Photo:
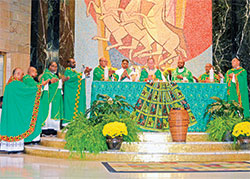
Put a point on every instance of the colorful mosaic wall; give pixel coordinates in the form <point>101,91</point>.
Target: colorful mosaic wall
<point>166,30</point>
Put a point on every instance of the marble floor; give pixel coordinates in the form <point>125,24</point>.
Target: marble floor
<point>26,166</point>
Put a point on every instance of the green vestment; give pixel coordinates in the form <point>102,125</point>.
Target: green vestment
<point>205,77</point>
<point>53,96</point>
<point>238,91</point>
<point>185,73</point>
<point>144,75</point>
<point>28,80</point>
<point>19,118</point>
<point>120,76</point>
<point>98,74</point>
<point>74,94</point>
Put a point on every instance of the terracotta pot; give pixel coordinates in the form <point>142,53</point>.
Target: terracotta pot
<point>244,142</point>
<point>114,143</point>
<point>178,124</point>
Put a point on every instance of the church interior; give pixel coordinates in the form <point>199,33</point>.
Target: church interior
<point>124,89</point>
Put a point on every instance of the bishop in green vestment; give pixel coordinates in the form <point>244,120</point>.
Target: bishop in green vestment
<point>74,92</point>
<point>205,77</point>
<point>151,73</point>
<point>236,79</point>
<point>52,100</point>
<point>182,74</point>
<point>19,113</point>
<point>103,73</point>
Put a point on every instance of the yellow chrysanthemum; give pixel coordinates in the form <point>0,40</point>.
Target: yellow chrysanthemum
<point>115,129</point>
<point>242,128</point>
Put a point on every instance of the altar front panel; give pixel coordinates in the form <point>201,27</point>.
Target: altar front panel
<point>197,95</point>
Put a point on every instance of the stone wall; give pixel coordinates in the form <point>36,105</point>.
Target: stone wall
<point>15,21</point>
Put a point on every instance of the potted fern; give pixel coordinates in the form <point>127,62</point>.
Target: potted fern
<point>223,108</point>
<point>223,116</point>
<point>85,133</point>
<point>221,126</point>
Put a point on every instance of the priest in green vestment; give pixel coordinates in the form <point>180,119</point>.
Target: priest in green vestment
<point>74,91</point>
<point>29,78</point>
<point>151,73</point>
<point>103,73</point>
<point>30,81</point>
<point>205,77</point>
<point>236,79</point>
<point>19,113</point>
<point>52,101</point>
<point>181,73</point>
<point>125,74</point>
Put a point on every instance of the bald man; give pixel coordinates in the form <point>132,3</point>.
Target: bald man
<point>205,77</point>
<point>151,73</point>
<point>99,72</point>
<point>236,79</point>
<point>181,73</point>
<point>29,78</point>
<point>19,113</point>
<point>17,74</point>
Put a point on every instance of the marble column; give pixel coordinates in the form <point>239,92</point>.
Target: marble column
<point>67,29</point>
<point>52,32</point>
<point>44,33</point>
<point>231,33</point>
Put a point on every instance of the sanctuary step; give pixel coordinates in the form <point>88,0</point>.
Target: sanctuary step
<point>155,146</point>
<point>140,156</point>
<point>160,136</point>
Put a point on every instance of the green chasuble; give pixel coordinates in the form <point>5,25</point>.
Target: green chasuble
<point>54,96</point>
<point>185,73</point>
<point>205,77</point>
<point>128,71</point>
<point>19,118</point>
<point>144,75</point>
<point>98,74</point>
<point>238,90</point>
<point>28,80</point>
<point>74,94</point>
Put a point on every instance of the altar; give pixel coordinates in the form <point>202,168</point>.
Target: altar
<point>197,95</point>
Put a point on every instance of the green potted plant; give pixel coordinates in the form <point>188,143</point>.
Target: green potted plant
<point>241,134</point>
<point>104,104</point>
<point>85,133</point>
<point>223,108</point>
<point>114,132</point>
<point>82,136</point>
<point>223,116</point>
<point>221,126</point>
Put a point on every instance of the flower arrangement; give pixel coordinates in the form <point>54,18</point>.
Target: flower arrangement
<point>85,132</point>
<point>241,129</point>
<point>115,129</point>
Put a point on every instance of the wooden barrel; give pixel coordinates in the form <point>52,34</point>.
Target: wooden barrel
<point>178,124</point>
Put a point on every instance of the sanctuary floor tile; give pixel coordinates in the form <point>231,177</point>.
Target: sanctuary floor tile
<point>26,166</point>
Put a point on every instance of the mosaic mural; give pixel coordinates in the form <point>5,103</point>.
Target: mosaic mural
<point>165,30</point>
